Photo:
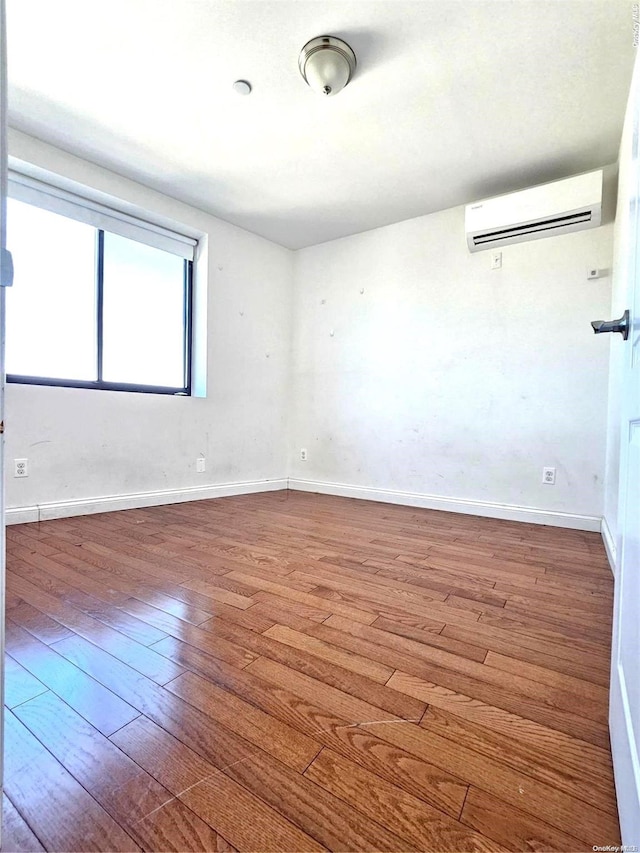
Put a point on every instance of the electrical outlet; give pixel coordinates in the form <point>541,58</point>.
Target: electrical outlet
<point>549,476</point>
<point>20,467</point>
<point>303,454</point>
<point>201,465</point>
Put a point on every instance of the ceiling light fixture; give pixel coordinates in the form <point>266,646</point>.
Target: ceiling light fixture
<point>242,87</point>
<point>327,64</point>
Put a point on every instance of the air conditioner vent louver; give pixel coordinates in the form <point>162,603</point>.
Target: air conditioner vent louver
<point>534,227</point>
<point>557,208</point>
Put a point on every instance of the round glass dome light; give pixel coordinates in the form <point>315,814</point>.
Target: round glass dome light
<point>327,64</point>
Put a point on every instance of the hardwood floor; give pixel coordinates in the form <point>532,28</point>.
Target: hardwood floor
<point>293,672</point>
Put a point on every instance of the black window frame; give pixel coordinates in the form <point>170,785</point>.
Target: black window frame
<point>100,384</point>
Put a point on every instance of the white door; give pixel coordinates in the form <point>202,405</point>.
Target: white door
<point>624,711</point>
<point>4,279</point>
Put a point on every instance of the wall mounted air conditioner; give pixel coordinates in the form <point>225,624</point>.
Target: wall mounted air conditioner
<point>544,211</point>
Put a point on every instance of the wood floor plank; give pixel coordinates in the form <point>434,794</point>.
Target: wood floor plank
<point>269,733</point>
<point>20,685</point>
<point>588,586</point>
<point>339,702</point>
<point>245,820</point>
<point>307,716</point>
<point>187,612</point>
<point>419,824</point>
<point>513,828</point>
<point>129,651</point>
<point>303,597</point>
<point>370,588</point>
<point>175,765</point>
<point>87,557</point>
<point>36,622</point>
<point>323,816</point>
<point>203,636</point>
<point>551,768</point>
<point>383,608</point>
<point>596,604</point>
<point>204,735</point>
<point>370,691</point>
<point>554,633</point>
<point>429,638</point>
<point>548,740</point>
<point>165,622</point>
<point>174,827</point>
<point>167,759</point>
<point>541,709</point>
<point>284,616</point>
<point>182,603</point>
<point>397,652</point>
<point>290,671</point>
<point>417,586</point>
<point>482,568</point>
<point>251,618</point>
<point>516,788</point>
<point>58,810</point>
<point>87,604</point>
<point>347,660</point>
<point>443,579</point>
<point>104,709</point>
<point>17,837</point>
<point>562,620</point>
<point>416,775</point>
<point>74,573</point>
<point>279,604</point>
<point>559,658</point>
<point>225,596</point>
<point>117,783</point>
<point>460,586</point>
<point>359,743</point>
<point>27,537</point>
<point>571,683</point>
<point>104,550</point>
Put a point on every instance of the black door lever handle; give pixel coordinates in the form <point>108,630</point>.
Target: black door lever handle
<point>621,325</point>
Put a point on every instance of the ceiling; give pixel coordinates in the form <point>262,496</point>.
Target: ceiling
<point>452,101</point>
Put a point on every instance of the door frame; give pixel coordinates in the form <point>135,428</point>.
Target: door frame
<point>3,231</point>
<point>624,731</point>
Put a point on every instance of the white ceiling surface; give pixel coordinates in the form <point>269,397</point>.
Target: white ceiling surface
<point>452,101</point>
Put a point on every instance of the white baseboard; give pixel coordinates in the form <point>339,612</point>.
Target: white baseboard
<point>109,503</point>
<point>626,759</point>
<point>509,512</point>
<point>609,545</point>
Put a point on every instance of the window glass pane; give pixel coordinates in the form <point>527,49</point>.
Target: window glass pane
<point>51,308</point>
<point>143,311</point>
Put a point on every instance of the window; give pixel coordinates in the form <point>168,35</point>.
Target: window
<point>100,299</point>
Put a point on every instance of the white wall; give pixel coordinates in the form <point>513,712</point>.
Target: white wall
<point>444,383</point>
<point>84,444</point>
<point>445,379</point>
<point>620,300</point>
